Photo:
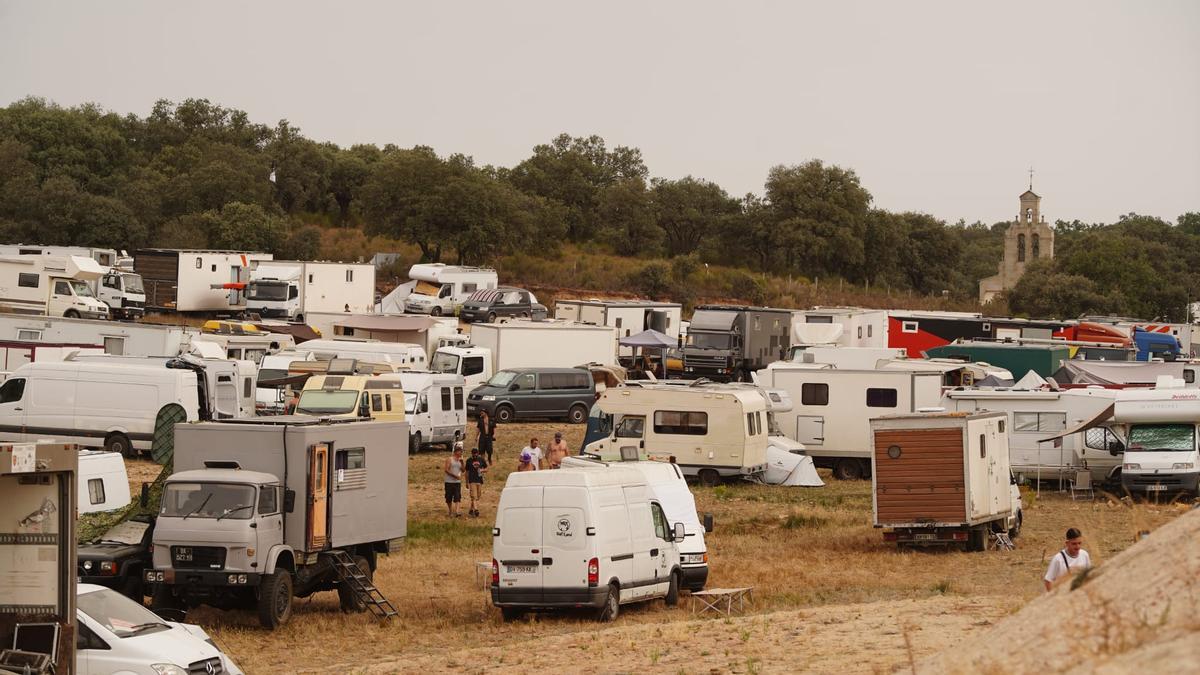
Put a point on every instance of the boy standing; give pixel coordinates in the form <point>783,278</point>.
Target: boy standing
<point>1071,559</point>
<point>476,467</point>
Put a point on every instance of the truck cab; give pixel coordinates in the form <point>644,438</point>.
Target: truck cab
<point>473,363</point>
<point>124,294</point>
<point>1162,457</point>
<point>74,298</point>
<point>271,297</point>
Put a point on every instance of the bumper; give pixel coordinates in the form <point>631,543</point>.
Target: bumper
<point>928,536</point>
<point>417,309</point>
<point>694,578</point>
<point>471,316</point>
<point>271,312</point>
<point>1163,482</point>
<point>128,312</point>
<point>108,581</point>
<point>549,597</point>
<point>93,314</point>
<point>201,578</point>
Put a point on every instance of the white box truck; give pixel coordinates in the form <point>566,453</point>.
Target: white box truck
<point>50,286</point>
<point>292,289</point>
<point>629,317</point>
<point>121,290</point>
<point>196,281</point>
<point>441,289</point>
<point>550,344</point>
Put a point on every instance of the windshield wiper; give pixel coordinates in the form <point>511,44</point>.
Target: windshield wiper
<point>146,626</point>
<point>236,508</point>
<point>202,505</point>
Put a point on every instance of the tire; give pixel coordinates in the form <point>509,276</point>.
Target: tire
<point>414,443</point>
<point>612,605</point>
<point>119,443</point>
<point>491,317</point>
<point>709,477</point>
<point>512,613</point>
<point>349,599</point>
<point>504,414</point>
<point>977,539</point>
<point>848,469</point>
<point>299,318</point>
<point>1016,530</point>
<point>71,314</point>
<point>672,598</point>
<point>275,600</point>
<point>436,311</point>
<point>524,315</point>
<point>577,415</point>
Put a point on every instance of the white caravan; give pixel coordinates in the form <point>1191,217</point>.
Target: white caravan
<point>1160,428</point>
<point>50,286</point>
<point>427,331</point>
<point>227,389</point>
<point>841,326</point>
<point>545,344</point>
<point>188,280</point>
<point>582,538</point>
<point>292,289</point>
<point>250,346</point>
<point>103,481</point>
<point>373,351</point>
<point>120,289</point>
<point>831,408</point>
<point>668,486</point>
<point>629,317</point>
<point>711,431</point>
<point>434,406</point>
<point>441,289</point>
<point>130,339</point>
<point>107,405</point>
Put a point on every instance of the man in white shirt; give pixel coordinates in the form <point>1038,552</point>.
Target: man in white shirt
<point>1070,560</point>
<point>535,454</point>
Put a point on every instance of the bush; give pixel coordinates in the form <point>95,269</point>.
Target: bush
<point>684,266</point>
<point>653,280</point>
<point>748,288</point>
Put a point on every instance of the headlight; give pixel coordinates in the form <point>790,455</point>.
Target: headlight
<point>1131,467</point>
<point>168,669</point>
<point>108,567</point>
<point>488,398</point>
<point>1183,465</point>
<point>87,565</point>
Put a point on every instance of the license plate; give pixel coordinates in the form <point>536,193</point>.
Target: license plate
<point>521,569</point>
<point>183,554</point>
<point>1156,488</point>
<point>924,536</point>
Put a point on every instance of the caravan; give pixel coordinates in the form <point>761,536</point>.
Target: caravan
<point>398,353</point>
<point>103,481</point>
<point>434,406</point>
<point>441,289</point>
<point>50,286</point>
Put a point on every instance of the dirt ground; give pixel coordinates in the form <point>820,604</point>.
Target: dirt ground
<point>830,595</point>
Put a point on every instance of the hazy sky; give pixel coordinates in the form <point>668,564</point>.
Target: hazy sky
<point>939,106</point>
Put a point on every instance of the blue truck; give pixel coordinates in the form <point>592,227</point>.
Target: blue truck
<point>1156,345</point>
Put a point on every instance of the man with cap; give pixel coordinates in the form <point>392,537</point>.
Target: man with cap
<point>452,475</point>
<point>476,467</point>
<point>557,451</point>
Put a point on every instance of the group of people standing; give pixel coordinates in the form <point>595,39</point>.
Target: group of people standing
<point>455,468</point>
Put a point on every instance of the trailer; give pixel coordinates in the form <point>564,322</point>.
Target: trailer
<point>121,290</point>
<point>629,317</point>
<point>130,339</point>
<point>441,289</point>
<point>190,280</point>
<point>941,478</point>
<point>545,344</point>
<point>291,289</point>
<point>428,331</point>
<point>37,563</point>
<point>278,507</point>
<point>1019,359</point>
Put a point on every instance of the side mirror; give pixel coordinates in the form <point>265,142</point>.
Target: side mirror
<point>144,498</point>
<point>514,386</point>
<point>708,523</point>
<point>289,500</point>
<point>679,533</point>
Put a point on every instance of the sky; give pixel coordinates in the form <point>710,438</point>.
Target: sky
<point>940,107</point>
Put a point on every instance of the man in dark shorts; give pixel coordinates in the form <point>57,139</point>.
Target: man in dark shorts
<point>487,434</point>
<point>476,467</point>
<point>452,474</point>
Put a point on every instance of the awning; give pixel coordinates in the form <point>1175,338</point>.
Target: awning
<point>1096,421</point>
<point>1115,372</point>
<point>649,338</point>
<point>375,322</point>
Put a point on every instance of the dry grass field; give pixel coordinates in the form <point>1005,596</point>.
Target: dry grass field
<point>827,588</point>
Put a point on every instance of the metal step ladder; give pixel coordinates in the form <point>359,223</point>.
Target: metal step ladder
<point>1002,542</point>
<point>349,573</point>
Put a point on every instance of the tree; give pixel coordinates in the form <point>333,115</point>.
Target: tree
<point>397,197</point>
<point>688,211</point>
<point>1046,294</point>
<point>301,170</point>
<point>246,227</point>
<point>822,212</point>
<point>302,243</point>
<point>348,171</point>
<point>625,217</point>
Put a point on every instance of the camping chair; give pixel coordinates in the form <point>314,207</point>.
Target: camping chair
<point>1082,482</point>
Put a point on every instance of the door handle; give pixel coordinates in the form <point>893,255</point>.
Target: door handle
<point>653,553</point>
<point>18,408</point>
<point>547,561</point>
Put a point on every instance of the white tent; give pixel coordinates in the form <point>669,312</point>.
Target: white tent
<point>789,469</point>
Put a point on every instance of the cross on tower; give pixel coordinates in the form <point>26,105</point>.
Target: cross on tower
<point>1031,178</point>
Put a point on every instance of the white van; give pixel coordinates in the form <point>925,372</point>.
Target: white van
<point>103,481</point>
<point>109,405</point>
<point>582,538</point>
<point>669,487</point>
<point>372,351</point>
<point>434,405</point>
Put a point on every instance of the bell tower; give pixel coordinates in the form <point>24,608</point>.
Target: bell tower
<point>1028,238</point>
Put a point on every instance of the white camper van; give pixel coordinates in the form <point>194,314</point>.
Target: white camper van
<point>582,538</point>
<point>441,289</point>
<point>103,481</point>
<point>51,286</point>
<point>434,405</point>
<point>93,404</point>
<point>1161,429</point>
<point>227,388</point>
<point>373,351</point>
<point>121,290</point>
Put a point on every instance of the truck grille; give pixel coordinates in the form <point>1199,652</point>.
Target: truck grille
<point>1168,481</point>
<point>211,666</point>
<point>198,557</point>
<point>705,362</point>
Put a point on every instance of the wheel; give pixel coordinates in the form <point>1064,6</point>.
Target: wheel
<point>299,318</point>
<point>1017,527</point>
<point>709,477</point>
<point>436,311</point>
<point>119,443</point>
<point>512,613</point>
<point>612,604</point>
<point>71,314</point>
<point>977,539</point>
<point>491,317</point>
<point>672,598</point>
<point>848,469</point>
<point>414,443</point>
<point>504,414</point>
<point>163,599</point>
<point>524,315</point>
<point>275,599</point>
<point>578,414</point>
<point>350,600</point>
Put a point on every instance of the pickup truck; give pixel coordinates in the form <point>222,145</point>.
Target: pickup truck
<point>116,559</point>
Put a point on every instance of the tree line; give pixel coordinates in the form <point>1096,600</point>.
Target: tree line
<point>195,174</point>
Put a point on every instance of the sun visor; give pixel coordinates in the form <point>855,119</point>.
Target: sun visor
<point>1096,421</point>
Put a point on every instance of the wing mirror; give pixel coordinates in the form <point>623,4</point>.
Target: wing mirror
<point>289,500</point>
<point>679,533</point>
<point>708,523</point>
<point>514,386</point>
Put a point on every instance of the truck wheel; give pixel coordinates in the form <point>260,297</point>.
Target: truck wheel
<point>977,539</point>
<point>512,613</point>
<point>504,414</point>
<point>672,598</point>
<point>414,443</point>
<point>848,469</point>
<point>612,605</point>
<point>119,443</point>
<point>491,317</point>
<point>71,314</point>
<point>709,477</point>
<point>436,311</point>
<point>275,599</point>
<point>349,598</point>
<point>578,415</point>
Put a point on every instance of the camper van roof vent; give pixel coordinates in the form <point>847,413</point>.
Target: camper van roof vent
<point>221,464</point>
<point>342,367</point>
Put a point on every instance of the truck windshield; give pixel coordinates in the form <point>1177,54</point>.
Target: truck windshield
<point>708,340</point>
<point>502,378</point>
<point>317,402</point>
<point>81,289</point>
<point>124,617</point>
<point>410,403</point>
<point>773,425</point>
<point>208,500</point>
<point>444,363</point>
<point>1162,437</point>
<point>270,291</point>
<point>132,283</point>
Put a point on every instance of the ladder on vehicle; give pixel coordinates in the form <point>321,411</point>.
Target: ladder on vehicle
<point>349,573</point>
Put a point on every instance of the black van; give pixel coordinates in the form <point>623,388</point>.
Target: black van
<point>523,393</point>
<point>486,305</point>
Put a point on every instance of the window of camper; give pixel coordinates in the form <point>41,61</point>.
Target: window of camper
<point>818,318</point>
<point>1029,422</point>
<point>351,458</point>
<point>458,398</point>
<point>114,346</point>
<point>62,288</point>
<point>631,426</point>
<point>349,276</point>
<point>208,500</point>
<point>247,387</point>
<point>1162,437</point>
<point>681,423</point>
<point>377,402</point>
<point>660,521</point>
<point>982,446</point>
<point>1099,438</point>
<point>869,326</point>
<point>469,288</point>
<point>881,398</point>
<point>908,327</point>
<point>96,490</point>
<point>268,499</point>
<point>25,280</point>
<point>446,394</point>
<point>472,365</point>
<point>1189,375</point>
<point>814,393</point>
<point>199,262</point>
<point>28,334</point>
<point>750,424</point>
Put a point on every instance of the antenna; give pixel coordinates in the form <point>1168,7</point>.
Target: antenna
<point>1031,179</point>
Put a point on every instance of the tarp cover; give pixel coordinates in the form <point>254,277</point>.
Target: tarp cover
<point>993,381</point>
<point>1115,372</point>
<point>649,338</point>
<point>384,323</point>
<point>1031,381</point>
<point>789,469</point>
<point>393,303</point>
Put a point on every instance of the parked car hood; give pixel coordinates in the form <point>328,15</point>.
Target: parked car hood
<point>181,645</point>
<point>108,551</point>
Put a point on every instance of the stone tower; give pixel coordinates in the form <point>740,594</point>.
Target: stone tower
<point>1027,239</point>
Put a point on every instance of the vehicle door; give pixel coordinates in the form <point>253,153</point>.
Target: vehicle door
<point>12,407</point>
<point>269,530</point>
<point>517,541</point>
<point>564,554</point>
<point>61,298</point>
<point>810,429</point>
<point>552,394</point>
<point>522,306</point>
<point>317,534</point>
<point>646,549</point>
<point>225,397</point>
<point>522,392</point>
<point>443,426</point>
<point>110,290</point>
<point>630,436</point>
<point>668,553</point>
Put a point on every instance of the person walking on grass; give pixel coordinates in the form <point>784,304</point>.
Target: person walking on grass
<point>1070,560</point>
<point>535,454</point>
<point>557,451</point>
<point>476,467</point>
<point>525,462</point>
<point>452,473</point>
<point>487,434</point>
